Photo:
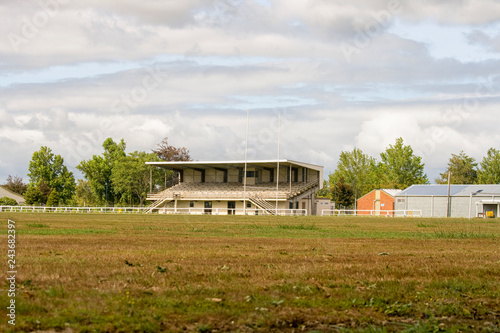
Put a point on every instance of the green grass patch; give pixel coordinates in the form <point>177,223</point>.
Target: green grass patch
<point>463,234</point>
<point>67,232</point>
<point>38,225</point>
<point>159,273</point>
<point>424,225</point>
<point>298,226</point>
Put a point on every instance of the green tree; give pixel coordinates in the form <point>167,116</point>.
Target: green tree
<point>462,168</point>
<point>98,171</point>
<point>400,168</point>
<point>34,196</point>
<point>489,172</point>
<point>356,170</point>
<point>324,192</point>
<point>343,194</point>
<point>53,199</point>
<point>83,193</point>
<point>131,177</point>
<point>47,171</point>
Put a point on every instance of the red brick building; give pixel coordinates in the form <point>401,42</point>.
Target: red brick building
<point>377,202</point>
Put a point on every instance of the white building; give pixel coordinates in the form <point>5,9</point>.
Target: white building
<point>269,187</point>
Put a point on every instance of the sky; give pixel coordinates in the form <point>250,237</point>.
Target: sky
<point>341,74</point>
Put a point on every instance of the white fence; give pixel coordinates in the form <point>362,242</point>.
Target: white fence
<point>226,211</point>
<point>383,213</point>
<point>139,210</point>
<point>41,209</point>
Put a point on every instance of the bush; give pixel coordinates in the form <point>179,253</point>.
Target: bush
<point>6,201</point>
<point>53,199</point>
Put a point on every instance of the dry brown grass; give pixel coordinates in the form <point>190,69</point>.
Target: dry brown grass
<point>110,273</point>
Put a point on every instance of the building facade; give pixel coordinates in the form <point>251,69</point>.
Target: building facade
<point>463,200</point>
<point>377,202</point>
<point>224,188</point>
<point>324,204</point>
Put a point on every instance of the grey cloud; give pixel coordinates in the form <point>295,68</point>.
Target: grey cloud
<point>233,55</point>
<point>490,43</point>
<point>477,12</point>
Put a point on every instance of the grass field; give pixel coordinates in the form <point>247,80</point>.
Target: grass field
<point>153,273</point>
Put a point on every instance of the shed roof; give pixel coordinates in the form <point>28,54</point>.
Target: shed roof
<point>391,191</point>
<point>4,192</point>
<point>479,189</point>
<point>233,164</point>
<point>455,190</point>
<point>181,165</point>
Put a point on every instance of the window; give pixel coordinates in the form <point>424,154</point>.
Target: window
<point>231,207</point>
<point>208,207</point>
<point>249,205</point>
<point>252,174</point>
<point>191,204</point>
<point>401,200</point>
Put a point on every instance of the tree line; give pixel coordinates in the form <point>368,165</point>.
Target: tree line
<point>357,173</point>
<point>464,169</point>
<point>114,177</point>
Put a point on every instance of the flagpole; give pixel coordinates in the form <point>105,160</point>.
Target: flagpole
<point>245,172</point>
<point>278,167</point>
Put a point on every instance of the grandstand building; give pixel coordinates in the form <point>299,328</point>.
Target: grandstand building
<point>281,187</point>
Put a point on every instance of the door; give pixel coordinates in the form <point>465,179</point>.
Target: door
<point>208,207</point>
<point>231,207</point>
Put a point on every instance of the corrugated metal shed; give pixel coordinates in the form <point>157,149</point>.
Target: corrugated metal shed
<point>465,200</point>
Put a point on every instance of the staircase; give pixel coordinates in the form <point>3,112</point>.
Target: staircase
<point>156,204</point>
<point>303,189</point>
<point>161,198</point>
<point>263,204</point>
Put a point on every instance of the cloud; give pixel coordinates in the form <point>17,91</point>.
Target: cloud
<point>488,41</point>
<point>453,12</point>
<point>343,74</point>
